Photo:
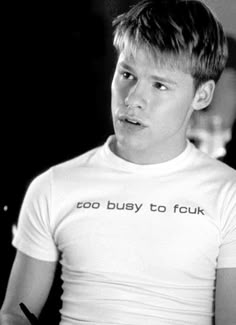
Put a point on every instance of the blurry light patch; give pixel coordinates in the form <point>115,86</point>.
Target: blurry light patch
<point>14,230</point>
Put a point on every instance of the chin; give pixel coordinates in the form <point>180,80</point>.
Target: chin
<point>131,144</point>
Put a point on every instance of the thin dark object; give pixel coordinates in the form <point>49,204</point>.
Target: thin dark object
<point>31,317</point>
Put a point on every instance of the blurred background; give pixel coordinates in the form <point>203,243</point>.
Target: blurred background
<point>56,105</point>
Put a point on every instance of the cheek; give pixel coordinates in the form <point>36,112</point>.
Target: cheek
<point>171,113</point>
<point>119,89</point>
<point>117,98</point>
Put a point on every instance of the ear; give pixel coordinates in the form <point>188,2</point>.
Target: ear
<point>203,95</point>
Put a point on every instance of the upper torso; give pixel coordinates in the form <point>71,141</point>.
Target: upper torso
<point>138,243</point>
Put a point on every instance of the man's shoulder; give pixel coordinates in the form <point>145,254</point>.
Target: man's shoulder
<point>214,166</point>
<point>66,169</point>
<point>75,166</point>
<point>81,160</point>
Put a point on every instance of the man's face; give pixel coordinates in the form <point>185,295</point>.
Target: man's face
<point>151,107</point>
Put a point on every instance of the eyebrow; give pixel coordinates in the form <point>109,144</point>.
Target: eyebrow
<point>164,79</point>
<point>154,77</point>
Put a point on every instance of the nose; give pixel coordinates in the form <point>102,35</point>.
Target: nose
<point>135,97</point>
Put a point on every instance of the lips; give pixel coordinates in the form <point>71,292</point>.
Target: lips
<point>132,120</point>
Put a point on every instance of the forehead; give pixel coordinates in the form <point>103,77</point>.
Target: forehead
<point>143,57</point>
<point>161,60</point>
<point>145,65</point>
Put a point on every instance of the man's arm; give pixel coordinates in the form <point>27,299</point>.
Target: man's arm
<point>29,283</point>
<point>225,299</point>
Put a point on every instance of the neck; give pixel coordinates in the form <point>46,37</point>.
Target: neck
<point>161,153</point>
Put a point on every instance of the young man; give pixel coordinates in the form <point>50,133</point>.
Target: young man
<point>145,224</point>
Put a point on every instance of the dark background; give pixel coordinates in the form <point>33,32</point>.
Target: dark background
<point>56,105</point>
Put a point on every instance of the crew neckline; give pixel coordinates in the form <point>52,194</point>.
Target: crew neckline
<point>118,163</point>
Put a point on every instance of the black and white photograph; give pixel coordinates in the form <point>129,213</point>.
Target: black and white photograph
<point>118,165</point>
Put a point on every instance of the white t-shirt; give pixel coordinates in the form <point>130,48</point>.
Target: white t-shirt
<point>139,244</point>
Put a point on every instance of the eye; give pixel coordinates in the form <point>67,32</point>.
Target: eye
<point>126,75</point>
<point>160,86</point>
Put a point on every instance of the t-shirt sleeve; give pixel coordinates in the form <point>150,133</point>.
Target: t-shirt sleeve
<point>34,233</point>
<point>227,254</point>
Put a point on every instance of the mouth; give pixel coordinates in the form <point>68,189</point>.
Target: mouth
<point>132,121</point>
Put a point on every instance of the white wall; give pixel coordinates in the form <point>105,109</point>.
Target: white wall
<point>226,12</point>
